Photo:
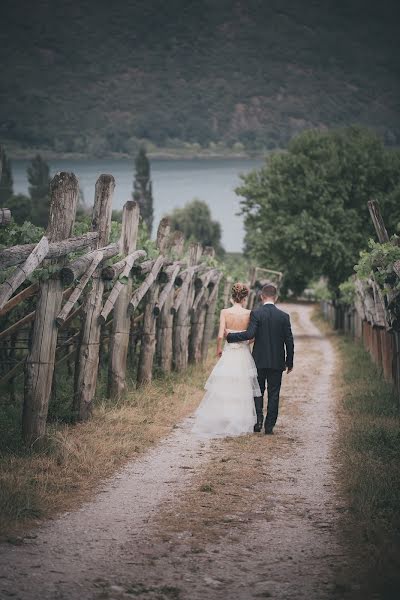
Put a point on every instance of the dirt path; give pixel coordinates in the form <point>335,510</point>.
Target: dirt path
<point>250,517</point>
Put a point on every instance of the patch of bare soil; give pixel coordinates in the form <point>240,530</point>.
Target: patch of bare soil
<point>250,517</point>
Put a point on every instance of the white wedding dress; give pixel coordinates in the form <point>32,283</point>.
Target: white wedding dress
<point>227,408</point>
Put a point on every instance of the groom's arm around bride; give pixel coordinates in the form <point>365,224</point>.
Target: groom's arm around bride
<point>271,329</point>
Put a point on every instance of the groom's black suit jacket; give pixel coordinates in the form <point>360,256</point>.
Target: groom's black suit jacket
<point>272,332</point>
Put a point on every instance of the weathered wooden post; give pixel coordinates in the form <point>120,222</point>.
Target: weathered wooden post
<point>251,299</point>
<point>198,316</point>
<point>148,343</point>
<point>211,306</point>
<point>196,331</point>
<point>182,313</point>
<point>252,276</point>
<point>5,216</point>
<point>166,318</point>
<point>122,320</point>
<point>39,367</point>
<point>227,292</point>
<point>87,363</point>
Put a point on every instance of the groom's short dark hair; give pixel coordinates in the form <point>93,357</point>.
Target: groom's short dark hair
<point>269,291</point>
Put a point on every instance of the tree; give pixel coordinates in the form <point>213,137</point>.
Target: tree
<point>142,188</point>
<point>21,208</point>
<point>6,179</point>
<point>39,190</point>
<point>195,222</point>
<point>306,210</point>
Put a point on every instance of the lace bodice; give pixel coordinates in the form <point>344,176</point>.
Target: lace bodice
<point>234,319</point>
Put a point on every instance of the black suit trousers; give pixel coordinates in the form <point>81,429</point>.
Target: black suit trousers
<point>272,379</point>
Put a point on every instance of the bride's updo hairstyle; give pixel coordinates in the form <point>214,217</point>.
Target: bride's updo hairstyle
<point>240,291</point>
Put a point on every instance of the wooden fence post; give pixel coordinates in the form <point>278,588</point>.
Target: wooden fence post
<point>40,362</point>
<point>148,343</point>
<point>227,292</point>
<point>198,317</point>
<point>251,299</point>
<point>180,333</point>
<point>166,318</point>
<point>5,216</point>
<point>87,363</point>
<point>121,319</point>
<point>210,318</point>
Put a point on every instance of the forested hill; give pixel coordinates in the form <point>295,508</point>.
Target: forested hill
<point>94,76</point>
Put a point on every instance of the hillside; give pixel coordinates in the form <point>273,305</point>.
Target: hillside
<point>93,76</point>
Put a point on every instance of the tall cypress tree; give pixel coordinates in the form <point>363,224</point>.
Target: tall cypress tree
<point>6,180</point>
<point>39,190</point>
<point>142,188</point>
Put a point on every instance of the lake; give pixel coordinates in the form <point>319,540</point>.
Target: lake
<point>175,182</point>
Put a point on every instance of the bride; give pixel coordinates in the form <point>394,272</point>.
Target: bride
<point>227,408</point>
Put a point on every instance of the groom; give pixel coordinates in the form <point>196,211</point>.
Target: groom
<point>272,332</point>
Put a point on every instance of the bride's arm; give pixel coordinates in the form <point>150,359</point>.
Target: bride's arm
<point>221,332</point>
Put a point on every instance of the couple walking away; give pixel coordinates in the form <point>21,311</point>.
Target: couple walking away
<point>234,398</point>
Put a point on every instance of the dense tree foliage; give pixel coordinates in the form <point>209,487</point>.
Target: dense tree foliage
<point>195,221</point>
<point>6,180</point>
<point>21,208</point>
<point>306,209</point>
<point>39,190</point>
<point>15,234</point>
<point>97,77</point>
<point>142,188</point>
<point>34,208</point>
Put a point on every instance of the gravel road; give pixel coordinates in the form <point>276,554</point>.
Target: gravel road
<point>252,517</point>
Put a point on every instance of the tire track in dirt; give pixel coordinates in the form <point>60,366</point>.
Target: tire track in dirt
<point>250,517</point>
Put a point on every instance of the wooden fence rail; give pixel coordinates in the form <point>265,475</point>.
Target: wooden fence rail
<point>161,310</point>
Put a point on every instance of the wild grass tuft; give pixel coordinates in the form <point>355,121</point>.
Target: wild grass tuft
<point>208,488</point>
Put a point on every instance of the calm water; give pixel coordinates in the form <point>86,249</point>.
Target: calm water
<point>175,182</point>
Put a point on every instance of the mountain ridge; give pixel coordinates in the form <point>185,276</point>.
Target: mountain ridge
<point>95,79</point>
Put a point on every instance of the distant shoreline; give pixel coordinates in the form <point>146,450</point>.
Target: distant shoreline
<point>162,154</point>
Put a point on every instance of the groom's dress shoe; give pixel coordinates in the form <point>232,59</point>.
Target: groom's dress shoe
<point>258,426</point>
<point>269,431</point>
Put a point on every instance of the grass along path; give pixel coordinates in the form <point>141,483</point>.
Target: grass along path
<point>369,471</point>
<point>37,485</point>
